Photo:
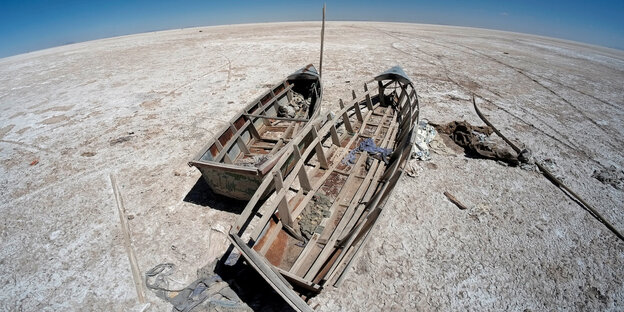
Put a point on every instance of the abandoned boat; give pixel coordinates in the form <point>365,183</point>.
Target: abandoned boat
<point>236,160</point>
<point>343,168</point>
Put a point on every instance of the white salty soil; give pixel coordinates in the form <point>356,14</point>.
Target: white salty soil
<point>138,107</point>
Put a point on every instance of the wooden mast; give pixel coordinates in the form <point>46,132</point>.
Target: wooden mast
<point>322,37</point>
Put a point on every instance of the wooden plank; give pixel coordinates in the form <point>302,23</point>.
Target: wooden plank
<point>377,197</point>
<point>319,182</point>
<point>253,130</point>
<point>369,192</point>
<point>224,149</point>
<point>382,89</point>
<point>304,180</point>
<point>283,207</point>
<point>320,152</point>
<point>277,117</point>
<point>243,146</point>
<point>274,279</point>
<point>368,184</point>
<point>294,279</point>
<point>385,144</point>
<point>334,135</point>
<point>280,143</point>
<point>275,97</point>
<point>358,111</point>
<point>347,122</point>
<point>125,230</point>
<point>348,186</point>
<point>289,95</point>
<point>369,102</point>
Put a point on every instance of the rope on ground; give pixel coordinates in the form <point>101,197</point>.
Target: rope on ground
<point>208,289</point>
<point>552,178</point>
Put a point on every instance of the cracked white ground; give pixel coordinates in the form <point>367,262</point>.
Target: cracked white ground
<point>138,107</point>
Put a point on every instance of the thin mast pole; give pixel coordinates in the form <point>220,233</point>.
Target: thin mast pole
<point>322,37</point>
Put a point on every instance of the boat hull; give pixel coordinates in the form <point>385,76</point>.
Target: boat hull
<point>307,233</point>
<point>235,161</point>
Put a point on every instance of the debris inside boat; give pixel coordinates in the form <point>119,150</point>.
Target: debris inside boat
<point>320,213</point>
<point>236,160</point>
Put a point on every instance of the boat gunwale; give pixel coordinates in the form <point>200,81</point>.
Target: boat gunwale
<point>265,167</point>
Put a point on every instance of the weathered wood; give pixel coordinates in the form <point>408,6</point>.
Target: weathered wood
<point>355,201</point>
<point>455,201</point>
<point>359,199</point>
<point>253,130</point>
<point>125,230</point>
<point>358,111</point>
<point>320,152</point>
<point>277,117</point>
<point>304,180</point>
<point>244,131</point>
<point>334,135</point>
<point>322,40</point>
<point>299,281</point>
<point>269,275</point>
<point>283,207</point>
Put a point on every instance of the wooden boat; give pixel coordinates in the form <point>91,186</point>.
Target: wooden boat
<point>306,234</point>
<point>236,160</point>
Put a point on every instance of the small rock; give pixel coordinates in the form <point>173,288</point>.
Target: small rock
<point>120,140</point>
<point>526,156</point>
<point>611,176</point>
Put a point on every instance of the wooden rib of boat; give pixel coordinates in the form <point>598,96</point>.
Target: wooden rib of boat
<point>236,160</point>
<point>306,234</point>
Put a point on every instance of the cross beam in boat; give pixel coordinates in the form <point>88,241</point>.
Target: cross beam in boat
<point>276,117</point>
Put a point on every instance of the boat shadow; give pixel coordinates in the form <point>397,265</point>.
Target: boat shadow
<point>201,194</point>
<point>249,286</point>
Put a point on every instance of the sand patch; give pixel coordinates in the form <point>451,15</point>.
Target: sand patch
<point>5,130</point>
<point>151,104</point>
<point>17,115</point>
<point>54,119</point>
<point>55,109</point>
<point>21,131</point>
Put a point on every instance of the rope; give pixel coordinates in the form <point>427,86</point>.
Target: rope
<point>553,179</point>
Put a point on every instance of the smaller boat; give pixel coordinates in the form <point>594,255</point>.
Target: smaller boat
<point>342,169</point>
<point>236,160</point>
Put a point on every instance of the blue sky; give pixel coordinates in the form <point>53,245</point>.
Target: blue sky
<point>33,25</point>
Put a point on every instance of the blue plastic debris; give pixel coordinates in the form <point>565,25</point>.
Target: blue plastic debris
<point>368,145</point>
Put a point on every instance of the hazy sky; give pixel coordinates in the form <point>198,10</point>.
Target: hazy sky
<point>32,25</point>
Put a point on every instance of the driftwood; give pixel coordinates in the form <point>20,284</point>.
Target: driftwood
<point>455,201</point>
<point>578,199</point>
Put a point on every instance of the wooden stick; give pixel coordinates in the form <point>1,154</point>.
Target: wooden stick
<point>276,117</point>
<point>322,39</point>
<point>553,179</point>
<point>125,229</point>
<point>455,201</point>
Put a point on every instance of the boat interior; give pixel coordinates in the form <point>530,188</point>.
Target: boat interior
<point>262,128</point>
<point>312,225</point>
